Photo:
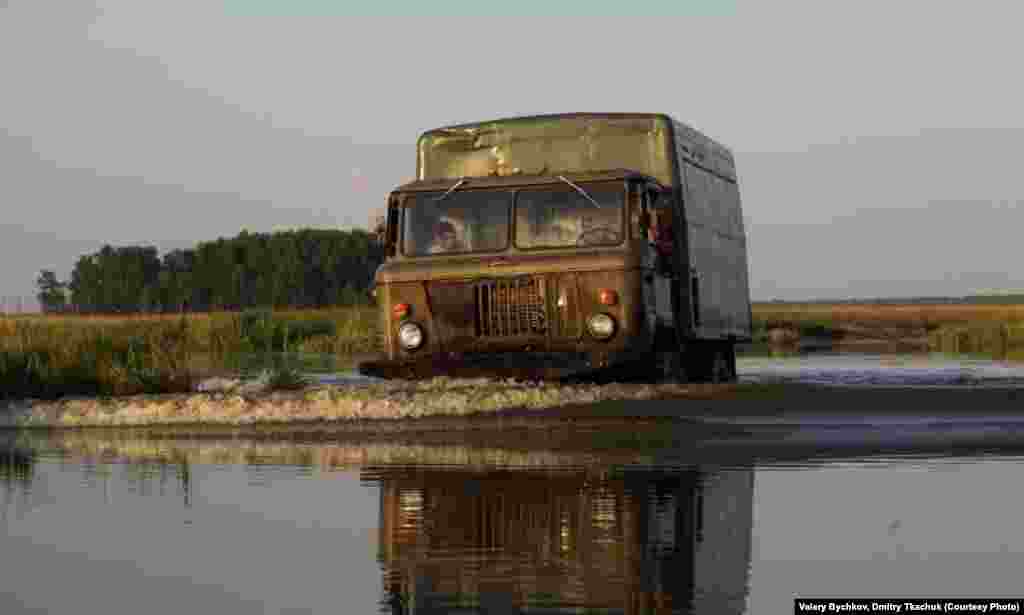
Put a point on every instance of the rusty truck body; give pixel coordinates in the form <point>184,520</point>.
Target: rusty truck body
<point>554,246</point>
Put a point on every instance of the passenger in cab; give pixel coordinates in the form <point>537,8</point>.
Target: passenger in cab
<point>660,234</point>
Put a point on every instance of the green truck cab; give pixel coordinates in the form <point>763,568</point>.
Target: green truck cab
<point>554,246</point>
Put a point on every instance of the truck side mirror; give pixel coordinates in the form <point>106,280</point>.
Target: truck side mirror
<point>378,228</point>
<point>384,227</point>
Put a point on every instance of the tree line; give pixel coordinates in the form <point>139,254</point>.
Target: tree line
<point>308,268</point>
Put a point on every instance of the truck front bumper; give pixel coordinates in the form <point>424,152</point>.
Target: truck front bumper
<point>520,365</point>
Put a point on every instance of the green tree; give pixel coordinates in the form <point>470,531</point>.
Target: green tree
<point>86,284</point>
<point>306,268</point>
<point>51,294</point>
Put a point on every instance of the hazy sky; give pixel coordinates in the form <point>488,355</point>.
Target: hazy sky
<point>877,143</point>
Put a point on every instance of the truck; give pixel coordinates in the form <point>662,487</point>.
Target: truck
<point>617,539</point>
<point>560,246</point>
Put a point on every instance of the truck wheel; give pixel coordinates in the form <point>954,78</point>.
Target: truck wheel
<point>731,358</point>
<point>672,367</point>
<point>719,366</point>
<point>698,362</point>
<point>667,360</point>
<point>722,363</point>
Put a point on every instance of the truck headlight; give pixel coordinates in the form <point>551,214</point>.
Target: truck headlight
<point>601,326</point>
<point>410,336</point>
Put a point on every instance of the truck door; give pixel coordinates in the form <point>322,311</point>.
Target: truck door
<point>662,251</point>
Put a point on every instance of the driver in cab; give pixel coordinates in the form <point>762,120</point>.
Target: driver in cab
<point>446,239</point>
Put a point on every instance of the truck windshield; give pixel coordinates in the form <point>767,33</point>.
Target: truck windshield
<point>558,218</point>
<point>463,221</point>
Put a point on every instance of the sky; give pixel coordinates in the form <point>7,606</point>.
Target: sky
<point>876,142</point>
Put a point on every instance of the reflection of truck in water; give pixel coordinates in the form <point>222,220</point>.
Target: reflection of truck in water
<point>554,245</point>
<point>628,541</point>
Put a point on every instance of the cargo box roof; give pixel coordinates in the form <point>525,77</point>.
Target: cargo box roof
<point>649,143</point>
<point>513,181</point>
<point>553,116</point>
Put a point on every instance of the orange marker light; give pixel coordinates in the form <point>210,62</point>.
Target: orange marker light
<point>607,296</point>
<point>400,310</point>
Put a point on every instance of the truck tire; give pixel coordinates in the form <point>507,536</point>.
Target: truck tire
<point>721,361</point>
<point>667,361</point>
<point>719,365</point>
<point>709,361</point>
<point>673,369</point>
<point>695,363</point>
<point>731,357</point>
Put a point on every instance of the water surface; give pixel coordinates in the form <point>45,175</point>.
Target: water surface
<point>100,522</point>
<point>820,368</point>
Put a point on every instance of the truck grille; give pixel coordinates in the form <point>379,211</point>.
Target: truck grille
<point>510,307</point>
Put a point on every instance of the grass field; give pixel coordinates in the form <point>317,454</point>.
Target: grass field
<point>994,330</point>
<point>56,355</point>
<point>930,317</point>
<point>49,356</point>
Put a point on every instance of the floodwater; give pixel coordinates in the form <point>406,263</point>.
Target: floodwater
<point>849,369</point>
<point>829,368</point>
<point>698,521</point>
<point>754,364</point>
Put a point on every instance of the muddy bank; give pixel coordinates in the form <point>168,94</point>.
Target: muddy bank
<point>446,405</point>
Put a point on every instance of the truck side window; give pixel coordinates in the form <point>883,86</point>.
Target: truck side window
<point>391,227</point>
<point>659,232</point>
<point>662,230</point>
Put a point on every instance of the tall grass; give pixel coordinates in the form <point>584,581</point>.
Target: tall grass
<point>45,360</point>
<point>53,356</point>
<point>995,330</point>
<point>995,339</point>
<point>929,317</point>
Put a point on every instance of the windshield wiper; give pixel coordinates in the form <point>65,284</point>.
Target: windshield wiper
<point>580,190</point>
<point>451,190</point>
